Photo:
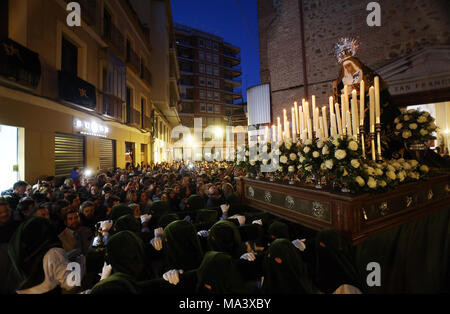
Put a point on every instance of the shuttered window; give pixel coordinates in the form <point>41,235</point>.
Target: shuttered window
<point>107,154</point>
<point>69,153</point>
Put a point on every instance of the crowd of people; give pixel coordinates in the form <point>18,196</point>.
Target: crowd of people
<point>165,228</point>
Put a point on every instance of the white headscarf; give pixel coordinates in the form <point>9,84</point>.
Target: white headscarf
<point>350,79</point>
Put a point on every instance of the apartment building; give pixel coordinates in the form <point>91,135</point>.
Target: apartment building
<point>210,83</point>
<point>76,96</point>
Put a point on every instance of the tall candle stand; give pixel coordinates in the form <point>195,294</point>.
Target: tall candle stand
<point>378,132</point>
<point>373,147</point>
<point>362,140</point>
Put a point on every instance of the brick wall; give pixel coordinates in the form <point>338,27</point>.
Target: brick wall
<point>406,26</point>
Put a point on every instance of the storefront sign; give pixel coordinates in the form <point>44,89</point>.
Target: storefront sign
<point>91,128</point>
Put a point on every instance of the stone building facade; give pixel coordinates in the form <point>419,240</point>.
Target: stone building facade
<point>414,34</point>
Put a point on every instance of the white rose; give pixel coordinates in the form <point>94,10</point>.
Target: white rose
<point>316,154</point>
<point>422,119</point>
<point>280,169</point>
<point>291,169</point>
<point>397,165</point>
<point>345,173</point>
<point>378,172</point>
<point>424,168</point>
<point>283,159</point>
<point>293,156</point>
<point>406,166</point>
<point>370,171</point>
<point>340,154</point>
<point>302,159</point>
<point>423,132</point>
<point>397,120</point>
<point>325,150</point>
<point>413,163</point>
<point>372,183</point>
<point>406,118</point>
<point>399,126</point>
<point>308,168</point>
<point>355,163</point>
<point>252,162</point>
<point>308,142</point>
<point>390,168</point>
<point>335,142</point>
<point>299,155</point>
<point>432,126</point>
<point>406,134</point>
<point>360,181</point>
<point>382,183</point>
<point>288,145</point>
<point>320,143</point>
<point>277,152</point>
<point>413,126</point>
<point>306,150</point>
<point>353,146</point>
<point>329,163</point>
<point>391,175</point>
<point>410,111</point>
<point>401,176</point>
<point>323,166</point>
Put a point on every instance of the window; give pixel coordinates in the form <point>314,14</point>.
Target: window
<point>142,112</point>
<point>210,95</point>
<point>129,103</point>
<point>202,107</point>
<point>208,44</point>
<point>202,81</point>
<point>202,94</point>
<point>69,57</point>
<point>217,96</point>
<point>217,109</point>
<point>201,68</point>
<point>201,42</point>
<point>209,69</point>
<point>201,55</point>
<point>216,71</point>
<point>106,23</point>
<point>210,108</point>
<point>216,84</point>
<point>210,82</point>
<point>216,59</point>
<point>216,46</point>
<point>208,57</point>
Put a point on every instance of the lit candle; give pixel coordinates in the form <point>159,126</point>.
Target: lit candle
<point>372,109</point>
<point>333,125</point>
<point>309,129</point>
<point>346,97</point>
<point>349,124</point>
<point>279,130</point>
<point>362,99</point>
<point>294,129</point>
<point>267,134</point>
<point>355,122</point>
<point>274,133</point>
<point>297,125</point>
<point>331,105</point>
<point>314,103</point>
<point>377,99</point>
<point>325,121</point>
<point>321,128</point>
<point>338,119</point>
<point>301,119</point>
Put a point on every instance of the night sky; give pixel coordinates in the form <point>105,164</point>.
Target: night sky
<point>234,20</point>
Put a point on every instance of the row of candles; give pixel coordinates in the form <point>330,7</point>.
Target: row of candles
<point>345,119</point>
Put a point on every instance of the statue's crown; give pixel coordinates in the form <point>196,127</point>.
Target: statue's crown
<point>345,48</point>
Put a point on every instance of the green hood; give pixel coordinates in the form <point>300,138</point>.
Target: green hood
<point>284,270</point>
<point>278,230</point>
<point>334,262</point>
<point>119,211</point>
<point>224,237</point>
<point>181,246</point>
<point>218,274</point>
<point>116,284</point>
<point>125,253</point>
<point>127,223</point>
<point>195,202</point>
<point>165,220</point>
<point>27,248</point>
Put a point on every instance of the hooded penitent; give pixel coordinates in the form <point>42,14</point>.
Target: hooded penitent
<point>119,211</point>
<point>181,246</point>
<point>27,248</point>
<point>224,237</point>
<point>284,270</point>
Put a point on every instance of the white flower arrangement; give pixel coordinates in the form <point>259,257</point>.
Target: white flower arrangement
<point>415,126</point>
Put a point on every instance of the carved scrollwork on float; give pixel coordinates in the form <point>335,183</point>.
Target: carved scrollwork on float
<point>384,208</point>
<point>251,192</point>
<point>289,202</point>
<point>430,194</point>
<point>409,201</point>
<point>268,196</point>
<point>318,209</point>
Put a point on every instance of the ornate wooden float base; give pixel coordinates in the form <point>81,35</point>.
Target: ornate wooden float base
<point>357,217</point>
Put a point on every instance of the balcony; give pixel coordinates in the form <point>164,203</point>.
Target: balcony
<point>235,91</point>
<point>229,54</point>
<point>134,118</point>
<point>146,75</point>
<point>230,67</point>
<point>112,106</point>
<point>233,80</point>
<point>134,61</point>
<point>147,123</point>
<point>77,91</point>
<point>115,38</point>
<point>19,64</point>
